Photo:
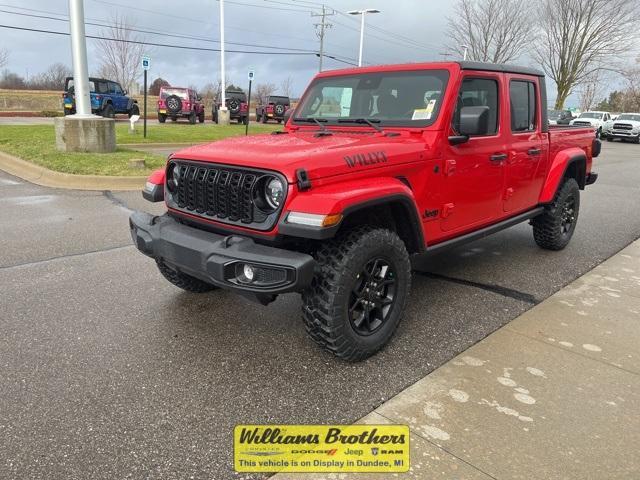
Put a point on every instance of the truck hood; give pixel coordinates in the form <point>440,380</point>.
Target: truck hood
<point>320,156</point>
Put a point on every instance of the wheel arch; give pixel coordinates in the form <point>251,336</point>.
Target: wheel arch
<point>386,203</point>
<point>571,163</point>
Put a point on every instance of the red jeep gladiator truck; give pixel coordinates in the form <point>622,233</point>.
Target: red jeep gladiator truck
<point>376,169</point>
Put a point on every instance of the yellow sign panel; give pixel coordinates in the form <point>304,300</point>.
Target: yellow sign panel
<point>321,448</point>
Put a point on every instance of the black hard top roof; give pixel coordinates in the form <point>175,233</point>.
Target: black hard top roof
<point>500,67</point>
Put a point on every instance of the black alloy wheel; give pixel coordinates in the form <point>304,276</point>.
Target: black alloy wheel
<point>372,296</point>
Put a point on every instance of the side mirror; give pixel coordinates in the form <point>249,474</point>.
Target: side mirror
<point>473,121</point>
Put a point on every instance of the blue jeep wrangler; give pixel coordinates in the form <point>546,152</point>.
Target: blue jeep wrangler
<point>107,98</point>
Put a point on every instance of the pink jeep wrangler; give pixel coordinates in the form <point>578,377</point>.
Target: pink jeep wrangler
<point>176,102</point>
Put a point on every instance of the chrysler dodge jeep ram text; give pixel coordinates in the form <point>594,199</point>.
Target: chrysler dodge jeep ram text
<point>377,168</point>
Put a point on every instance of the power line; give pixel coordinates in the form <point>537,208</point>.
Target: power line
<point>164,33</point>
<point>181,47</point>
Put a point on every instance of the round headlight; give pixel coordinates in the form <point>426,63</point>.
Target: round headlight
<point>274,193</point>
<point>173,177</point>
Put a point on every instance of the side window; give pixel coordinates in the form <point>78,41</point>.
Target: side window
<point>478,92</point>
<point>103,87</point>
<point>115,88</point>
<point>522,95</point>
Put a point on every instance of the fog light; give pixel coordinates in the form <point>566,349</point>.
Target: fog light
<point>248,272</point>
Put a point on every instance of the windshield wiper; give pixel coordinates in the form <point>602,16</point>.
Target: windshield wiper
<point>369,121</point>
<point>318,121</point>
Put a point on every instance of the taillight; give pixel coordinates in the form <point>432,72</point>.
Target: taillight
<point>98,97</point>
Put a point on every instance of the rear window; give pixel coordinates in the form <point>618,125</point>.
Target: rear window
<point>167,92</point>
<point>278,99</point>
<point>69,86</point>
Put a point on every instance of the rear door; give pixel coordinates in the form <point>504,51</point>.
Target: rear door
<point>474,171</point>
<point>526,146</point>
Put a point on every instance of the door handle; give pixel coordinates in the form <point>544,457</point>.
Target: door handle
<point>534,151</point>
<point>498,157</point>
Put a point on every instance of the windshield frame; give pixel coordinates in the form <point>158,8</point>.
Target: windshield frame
<point>343,122</point>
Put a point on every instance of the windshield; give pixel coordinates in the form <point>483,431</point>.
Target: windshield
<point>178,92</point>
<point>590,115</point>
<point>629,116</point>
<point>555,114</point>
<point>393,98</point>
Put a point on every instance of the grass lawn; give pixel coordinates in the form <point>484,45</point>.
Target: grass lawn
<point>183,132</point>
<point>36,143</point>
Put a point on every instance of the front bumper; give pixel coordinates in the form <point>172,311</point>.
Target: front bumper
<point>219,259</point>
<point>623,134</point>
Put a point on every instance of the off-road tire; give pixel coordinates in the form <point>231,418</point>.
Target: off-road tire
<point>258,117</point>
<point>184,281</point>
<point>201,117</point>
<point>108,111</point>
<point>244,120</point>
<point>548,229</point>
<point>192,118</point>
<point>233,105</point>
<point>264,118</point>
<point>162,117</point>
<point>214,116</point>
<point>339,266</point>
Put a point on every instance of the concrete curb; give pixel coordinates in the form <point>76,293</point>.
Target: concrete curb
<point>48,178</point>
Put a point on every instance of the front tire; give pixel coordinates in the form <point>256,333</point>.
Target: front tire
<point>192,118</point>
<point>359,292</point>
<point>184,281</point>
<point>108,111</point>
<point>553,229</point>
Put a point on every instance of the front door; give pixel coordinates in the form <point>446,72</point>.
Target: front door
<point>474,171</point>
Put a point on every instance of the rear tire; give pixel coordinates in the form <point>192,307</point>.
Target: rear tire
<point>184,281</point>
<point>162,118</point>
<point>553,229</point>
<point>108,111</point>
<point>192,118</point>
<point>359,292</point>
<point>201,117</point>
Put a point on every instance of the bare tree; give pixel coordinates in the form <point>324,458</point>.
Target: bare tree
<point>52,78</point>
<point>264,90</point>
<point>589,90</point>
<point>580,37</point>
<point>120,55</point>
<point>496,31</point>
<point>4,57</point>
<point>286,86</point>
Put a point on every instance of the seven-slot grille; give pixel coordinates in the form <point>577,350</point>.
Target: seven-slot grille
<point>622,126</point>
<point>216,192</point>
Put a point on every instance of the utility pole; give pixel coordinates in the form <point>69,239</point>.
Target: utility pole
<point>223,115</point>
<point>466,49</point>
<point>321,29</point>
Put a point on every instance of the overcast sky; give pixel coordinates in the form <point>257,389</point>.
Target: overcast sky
<point>404,31</point>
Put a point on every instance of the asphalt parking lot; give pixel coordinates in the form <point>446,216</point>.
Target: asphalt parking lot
<point>111,372</point>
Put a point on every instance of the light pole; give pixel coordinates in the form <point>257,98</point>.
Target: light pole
<point>466,49</point>
<point>363,13</point>
<point>223,87</point>
<point>79,56</point>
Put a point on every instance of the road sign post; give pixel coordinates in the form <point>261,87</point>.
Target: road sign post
<point>146,63</point>
<point>246,127</point>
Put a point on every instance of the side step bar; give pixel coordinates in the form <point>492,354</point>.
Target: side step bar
<point>478,234</point>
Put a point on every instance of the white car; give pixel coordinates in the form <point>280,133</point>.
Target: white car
<point>626,126</point>
<point>592,119</point>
